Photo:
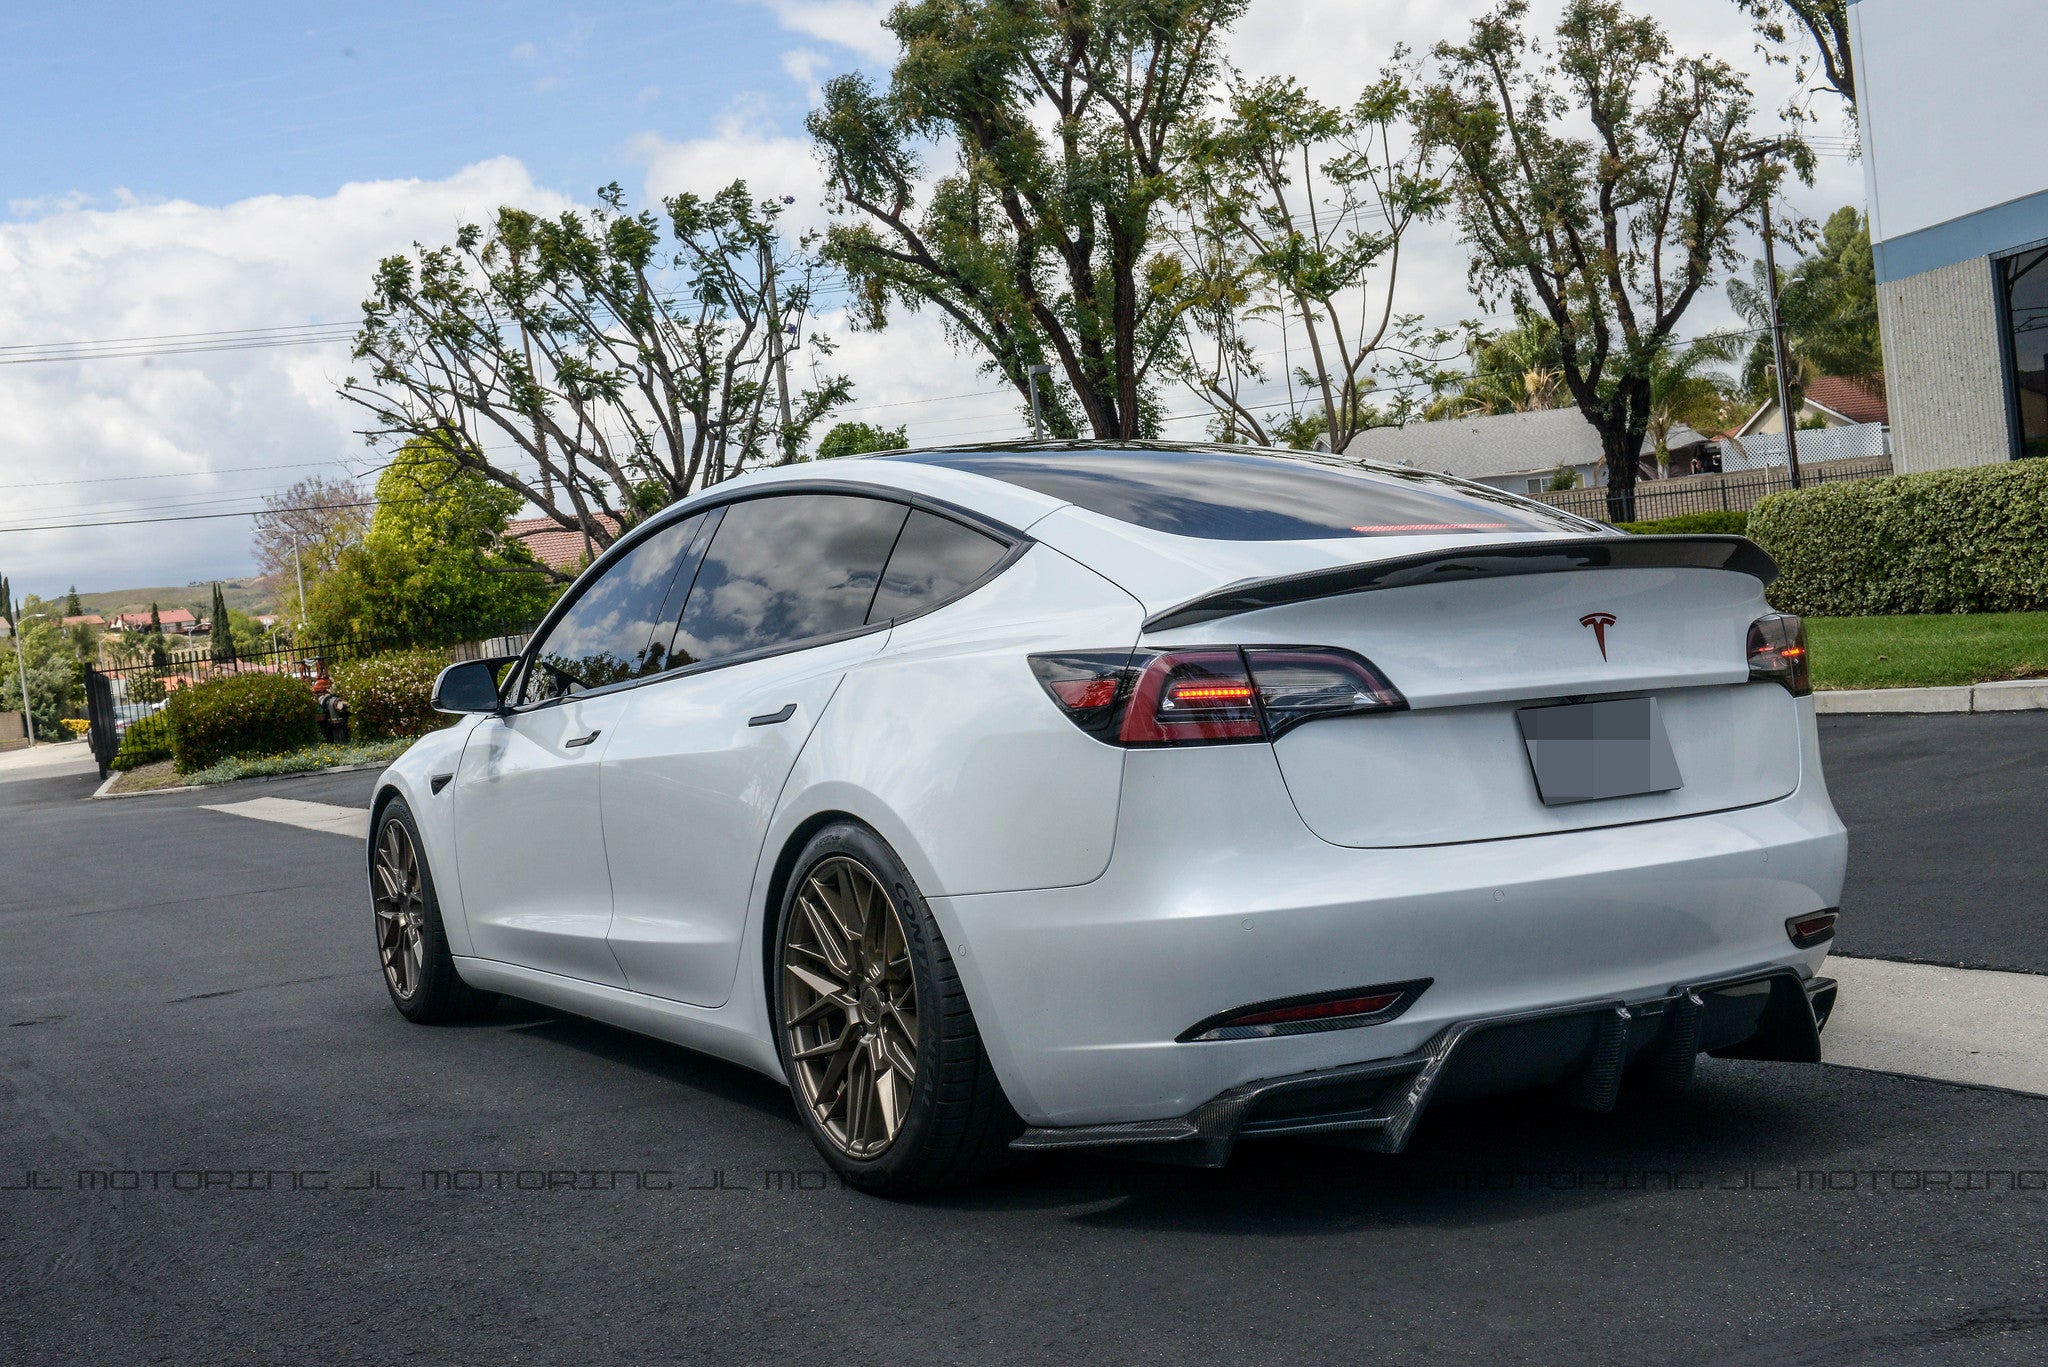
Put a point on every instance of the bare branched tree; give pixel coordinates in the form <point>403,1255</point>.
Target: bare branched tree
<point>602,363</point>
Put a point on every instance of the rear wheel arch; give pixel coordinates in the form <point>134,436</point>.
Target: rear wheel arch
<point>778,886</point>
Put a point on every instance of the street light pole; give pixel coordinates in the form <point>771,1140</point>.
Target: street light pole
<point>299,566</point>
<point>1791,419</point>
<point>1037,422</point>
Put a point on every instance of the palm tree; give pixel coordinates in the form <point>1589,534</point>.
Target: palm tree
<point>1685,390</point>
<point>1515,371</point>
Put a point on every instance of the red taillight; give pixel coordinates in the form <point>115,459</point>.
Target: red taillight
<point>1307,1015</point>
<point>1814,928</point>
<point>1777,651</point>
<point>1218,694</point>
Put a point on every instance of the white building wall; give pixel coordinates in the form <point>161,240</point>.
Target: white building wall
<point>1944,369</point>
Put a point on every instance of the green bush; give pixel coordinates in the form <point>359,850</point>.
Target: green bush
<point>238,716</point>
<point>147,740</point>
<point>1968,540</point>
<point>391,695</point>
<point>1692,524</point>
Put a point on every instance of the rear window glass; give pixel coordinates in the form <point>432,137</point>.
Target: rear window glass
<point>935,559</point>
<point>1249,496</point>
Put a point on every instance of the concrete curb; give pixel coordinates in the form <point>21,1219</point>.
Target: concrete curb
<point>2010,695</point>
<point>101,794</point>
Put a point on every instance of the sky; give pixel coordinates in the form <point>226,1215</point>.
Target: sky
<point>240,167</point>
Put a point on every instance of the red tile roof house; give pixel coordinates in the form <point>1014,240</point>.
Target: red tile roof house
<point>176,622</point>
<point>554,546</point>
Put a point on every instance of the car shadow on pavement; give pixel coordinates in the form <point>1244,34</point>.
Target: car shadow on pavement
<point>1752,1132</point>
<point>713,1077</point>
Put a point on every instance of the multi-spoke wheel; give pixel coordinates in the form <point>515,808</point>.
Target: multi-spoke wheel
<point>849,1005</point>
<point>412,946</point>
<point>873,1026</point>
<point>401,912</point>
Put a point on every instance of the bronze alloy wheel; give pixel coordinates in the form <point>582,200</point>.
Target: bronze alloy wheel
<point>401,910</point>
<point>850,1006</point>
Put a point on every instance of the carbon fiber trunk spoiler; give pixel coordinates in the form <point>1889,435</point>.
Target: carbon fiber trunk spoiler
<point>1736,554</point>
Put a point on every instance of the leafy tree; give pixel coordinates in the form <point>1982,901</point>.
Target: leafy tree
<point>223,639</point>
<point>159,652</point>
<point>1828,302</point>
<point>317,517</point>
<point>1307,204</point>
<point>1515,370</point>
<point>55,674</point>
<point>72,607</point>
<point>859,438</point>
<point>1826,25</point>
<point>600,363</point>
<point>1042,245</point>
<point>1686,387</point>
<point>434,564</point>
<point>1602,185</point>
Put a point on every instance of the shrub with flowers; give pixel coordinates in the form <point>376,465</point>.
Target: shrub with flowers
<point>391,695</point>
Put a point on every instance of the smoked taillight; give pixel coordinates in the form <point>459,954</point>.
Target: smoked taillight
<point>1777,651</point>
<point>1216,694</point>
<point>1309,1015</point>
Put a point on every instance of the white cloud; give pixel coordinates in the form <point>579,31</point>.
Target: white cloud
<point>174,267</point>
<point>854,24</point>
<point>804,67</point>
<point>745,146</point>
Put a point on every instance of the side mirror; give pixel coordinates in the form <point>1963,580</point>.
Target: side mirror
<point>470,686</point>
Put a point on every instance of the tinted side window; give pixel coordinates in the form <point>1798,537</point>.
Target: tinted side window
<point>934,560</point>
<point>784,569</point>
<point>617,628</point>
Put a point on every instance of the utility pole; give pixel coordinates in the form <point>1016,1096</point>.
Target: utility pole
<point>1791,419</point>
<point>1037,422</point>
<point>777,353</point>
<point>299,565</point>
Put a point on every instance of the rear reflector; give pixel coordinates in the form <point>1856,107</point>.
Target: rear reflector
<point>1814,928</point>
<point>1218,694</point>
<point>1777,651</point>
<point>1309,1015</point>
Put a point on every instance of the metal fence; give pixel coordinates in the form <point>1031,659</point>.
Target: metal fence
<point>1726,493</point>
<point>117,696</point>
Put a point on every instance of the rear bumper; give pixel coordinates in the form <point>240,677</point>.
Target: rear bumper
<point>1584,1046</point>
<point>1217,896</point>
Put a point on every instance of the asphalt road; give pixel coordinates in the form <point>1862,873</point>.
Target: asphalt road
<point>1948,837</point>
<point>219,1142</point>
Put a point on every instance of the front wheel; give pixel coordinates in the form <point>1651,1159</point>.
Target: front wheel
<point>412,944</point>
<point>873,1027</point>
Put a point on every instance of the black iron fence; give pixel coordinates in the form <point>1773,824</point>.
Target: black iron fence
<point>118,695</point>
<point>1729,493</point>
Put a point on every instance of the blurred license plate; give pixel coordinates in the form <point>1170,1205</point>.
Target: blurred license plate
<point>1583,752</point>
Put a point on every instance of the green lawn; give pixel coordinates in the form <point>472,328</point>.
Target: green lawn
<point>1903,652</point>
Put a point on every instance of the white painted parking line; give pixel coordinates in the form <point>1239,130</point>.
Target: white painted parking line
<point>1954,1024</point>
<point>353,822</point>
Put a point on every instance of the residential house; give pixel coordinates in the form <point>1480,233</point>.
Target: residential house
<point>1839,419</point>
<point>175,622</point>
<point>1521,452</point>
<point>555,546</point>
<point>89,619</point>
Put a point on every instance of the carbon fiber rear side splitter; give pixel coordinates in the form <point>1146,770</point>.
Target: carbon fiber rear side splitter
<point>1584,1046</point>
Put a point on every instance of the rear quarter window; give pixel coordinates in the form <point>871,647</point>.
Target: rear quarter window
<point>1225,495</point>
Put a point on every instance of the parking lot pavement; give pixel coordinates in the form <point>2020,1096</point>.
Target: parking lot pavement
<point>1948,837</point>
<point>218,1141</point>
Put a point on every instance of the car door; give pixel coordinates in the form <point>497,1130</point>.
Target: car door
<point>529,837</point>
<point>778,613</point>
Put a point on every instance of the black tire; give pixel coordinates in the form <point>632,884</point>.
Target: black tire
<point>958,1124</point>
<point>423,983</point>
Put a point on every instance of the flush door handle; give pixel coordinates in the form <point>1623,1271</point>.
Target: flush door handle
<point>581,741</point>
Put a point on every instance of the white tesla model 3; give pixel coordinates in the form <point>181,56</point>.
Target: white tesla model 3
<point>1066,795</point>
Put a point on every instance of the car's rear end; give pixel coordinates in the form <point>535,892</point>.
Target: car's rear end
<point>1458,795</point>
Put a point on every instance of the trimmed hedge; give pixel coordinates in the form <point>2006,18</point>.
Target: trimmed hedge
<point>239,716</point>
<point>1968,540</point>
<point>390,696</point>
<point>147,740</point>
<point>1692,524</point>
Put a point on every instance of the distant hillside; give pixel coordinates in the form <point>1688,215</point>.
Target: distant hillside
<point>252,596</point>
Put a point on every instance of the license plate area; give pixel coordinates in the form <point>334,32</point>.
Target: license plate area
<point>1590,751</point>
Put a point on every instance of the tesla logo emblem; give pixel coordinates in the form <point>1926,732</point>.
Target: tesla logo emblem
<point>1599,621</point>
